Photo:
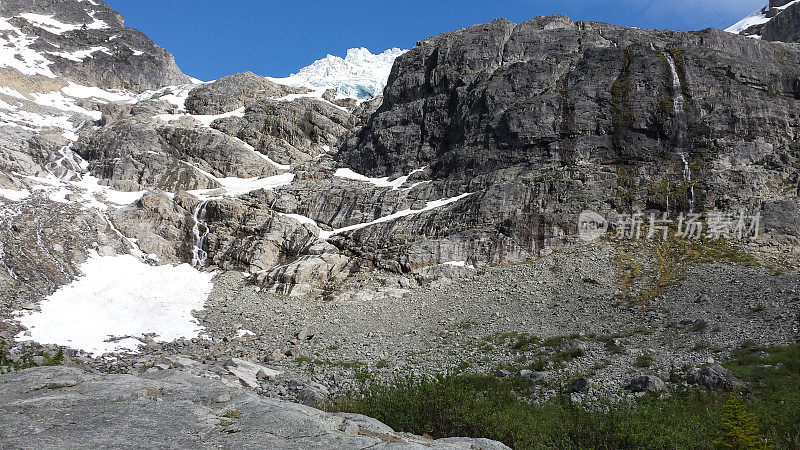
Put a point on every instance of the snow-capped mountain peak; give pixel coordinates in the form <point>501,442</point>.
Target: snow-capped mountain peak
<point>755,24</point>
<point>757,18</point>
<point>360,74</point>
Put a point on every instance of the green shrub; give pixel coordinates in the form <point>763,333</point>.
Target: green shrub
<point>739,429</point>
<point>489,407</point>
<point>643,361</point>
<point>26,361</point>
<point>498,408</point>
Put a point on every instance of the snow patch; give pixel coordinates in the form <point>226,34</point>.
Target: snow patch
<point>54,26</point>
<point>176,95</point>
<point>15,52</point>
<point>459,264</point>
<point>233,187</point>
<point>204,120</point>
<point>758,18</point>
<point>80,55</point>
<point>5,90</point>
<point>85,191</point>
<point>15,195</point>
<point>379,182</point>
<point>406,212</point>
<point>244,333</point>
<point>97,94</point>
<point>109,309</point>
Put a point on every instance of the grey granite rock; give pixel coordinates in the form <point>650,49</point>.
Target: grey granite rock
<point>785,26</point>
<point>289,131</point>
<point>68,408</point>
<point>232,92</point>
<point>138,153</point>
<point>544,119</point>
<point>713,377</point>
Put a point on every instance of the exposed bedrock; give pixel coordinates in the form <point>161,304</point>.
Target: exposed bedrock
<point>544,119</point>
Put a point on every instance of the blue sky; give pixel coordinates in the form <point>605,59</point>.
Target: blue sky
<point>211,39</point>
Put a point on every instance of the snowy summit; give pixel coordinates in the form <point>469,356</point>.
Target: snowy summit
<point>361,74</point>
<point>752,25</point>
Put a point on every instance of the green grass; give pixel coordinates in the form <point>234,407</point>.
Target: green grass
<point>497,408</point>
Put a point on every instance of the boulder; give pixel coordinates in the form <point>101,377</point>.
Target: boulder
<point>646,383</point>
<point>713,377</point>
<point>581,385</point>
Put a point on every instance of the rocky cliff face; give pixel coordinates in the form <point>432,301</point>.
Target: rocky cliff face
<point>543,119</point>
<point>785,26</point>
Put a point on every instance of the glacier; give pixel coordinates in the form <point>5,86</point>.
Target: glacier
<point>360,74</point>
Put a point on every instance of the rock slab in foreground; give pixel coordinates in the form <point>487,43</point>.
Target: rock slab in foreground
<point>64,407</point>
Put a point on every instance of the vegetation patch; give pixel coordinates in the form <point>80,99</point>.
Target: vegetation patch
<point>497,408</point>
<point>659,263</point>
<point>621,112</point>
<point>27,359</point>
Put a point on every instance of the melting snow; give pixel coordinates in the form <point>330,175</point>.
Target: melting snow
<point>757,18</point>
<point>80,55</point>
<point>205,120</point>
<point>176,95</point>
<point>243,333</point>
<point>458,264</point>
<point>11,92</point>
<point>32,121</point>
<point>95,93</point>
<point>232,186</point>
<point>110,301</point>
<point>17,54</point>
<point>87,190</point>
<point>379,182</point>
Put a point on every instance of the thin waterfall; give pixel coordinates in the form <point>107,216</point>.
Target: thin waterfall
<point>678,101</point>
<point>200,232</point>
<point>687,177</point>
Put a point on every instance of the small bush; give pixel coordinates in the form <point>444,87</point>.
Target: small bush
<point>739,429</point>
<point>489,407</point>
<point>643,361</point>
